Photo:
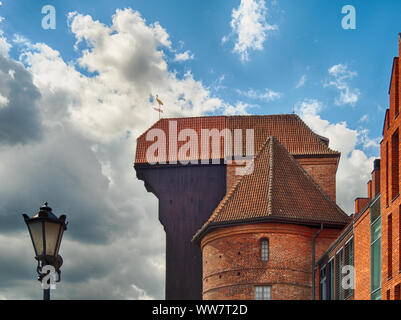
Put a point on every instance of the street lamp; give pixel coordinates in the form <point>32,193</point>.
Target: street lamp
<point>46,231</point>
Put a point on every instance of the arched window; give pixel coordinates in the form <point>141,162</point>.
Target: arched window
<point>264,250</point>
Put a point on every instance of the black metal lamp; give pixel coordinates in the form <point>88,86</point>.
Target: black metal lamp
<point>46,231</point>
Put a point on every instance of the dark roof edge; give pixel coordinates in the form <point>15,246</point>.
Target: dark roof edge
<point>269,219</point>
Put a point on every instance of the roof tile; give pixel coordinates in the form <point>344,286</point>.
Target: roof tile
<point>278,187</point>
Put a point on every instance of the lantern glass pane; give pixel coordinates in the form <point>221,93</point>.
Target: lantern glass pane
<point>52,231</point>
<point>59,241</point>
<point>37,236</point>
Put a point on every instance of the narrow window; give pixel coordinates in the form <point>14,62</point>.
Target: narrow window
<point>349,261</point>
<point>375,253</point>
<point>331,281</point>
<point>399,238</point>
<point>388,295</point>
<point>387,167</point>
<point>397,292</point>
<point>323,284</point>
<point>264,249</point>
<point>263,293</point>
<point>338,270</point>
<point>389,246</point>
<point>395,165</point>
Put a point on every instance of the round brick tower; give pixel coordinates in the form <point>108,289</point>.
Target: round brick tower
<point>233,266</point>
<point>276,203</point>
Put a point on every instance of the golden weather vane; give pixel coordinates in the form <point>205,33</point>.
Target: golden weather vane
<point>160,104</point>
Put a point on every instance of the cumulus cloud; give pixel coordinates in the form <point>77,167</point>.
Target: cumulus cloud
<point>19,116</point>
<point>4,45</point>
<point>340,76</point>
<point>184,56</point>
<point>267,95</point>
<point>250,28</point>
<point>82,131</point>
<point>355,166</point>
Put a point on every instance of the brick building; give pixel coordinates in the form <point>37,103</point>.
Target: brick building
<point>284,202</point>
<point>274,232</point>
<point>359,245</point>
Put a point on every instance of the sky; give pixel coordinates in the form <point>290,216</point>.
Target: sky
<point>74,98</point>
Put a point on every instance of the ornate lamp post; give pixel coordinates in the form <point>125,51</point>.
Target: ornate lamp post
<point>46,231</point>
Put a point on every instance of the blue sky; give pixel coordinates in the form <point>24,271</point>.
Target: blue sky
<point>74,99</point>
<point>309,40</point>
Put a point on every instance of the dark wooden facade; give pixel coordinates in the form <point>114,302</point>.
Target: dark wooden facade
<point>187,197</point>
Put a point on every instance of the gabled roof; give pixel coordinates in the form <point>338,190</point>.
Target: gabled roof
<point>278,189</point>
<point>289,129</point>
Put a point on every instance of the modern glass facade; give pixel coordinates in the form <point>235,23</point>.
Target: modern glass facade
<point>375,249</point>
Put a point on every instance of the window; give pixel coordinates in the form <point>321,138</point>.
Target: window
<point>397,292</point>
<point>323,284</point>
<point>339,276</point>
<point>349,261</point>
<point>395,165</point>
<point>399,238</point>
<point>375,250</point>
<point>389,246</point>
<point>263,293</point>
<point>388,295</point>
<point>387,167</point>
<point>331,281</point>
<point>264,250</point>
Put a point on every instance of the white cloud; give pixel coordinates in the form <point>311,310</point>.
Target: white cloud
<point>364,118</point>
<point>4,46</point>
<point>249,27</point>
<point>301,82</point>
<point>240,108</point>
<point>129,65</point>
<point>3,101</point>
<point>340,76</point>
<point>184,56</point>
<point>355,166</point>
<point>267,95</point>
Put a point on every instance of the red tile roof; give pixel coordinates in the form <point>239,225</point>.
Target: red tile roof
<point>289,129</point>
<point>278,188</point>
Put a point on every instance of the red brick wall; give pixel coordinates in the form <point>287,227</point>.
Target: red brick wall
<point>375,183</point>
<point>390,202</point>
<point>362,257</point>
<point>232,266</point>
<point>360,204</point>
<point>323,171</point>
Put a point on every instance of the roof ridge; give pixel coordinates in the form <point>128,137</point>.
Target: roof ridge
<point>271,164</point>
<point>233,188</point>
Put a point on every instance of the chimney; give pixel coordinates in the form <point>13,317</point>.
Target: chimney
<point>360,203</point>
<point>376,178</point>
<point>370,189</point>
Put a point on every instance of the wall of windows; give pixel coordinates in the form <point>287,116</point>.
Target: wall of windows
<point>375,249</point>
<point>332,275</point>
